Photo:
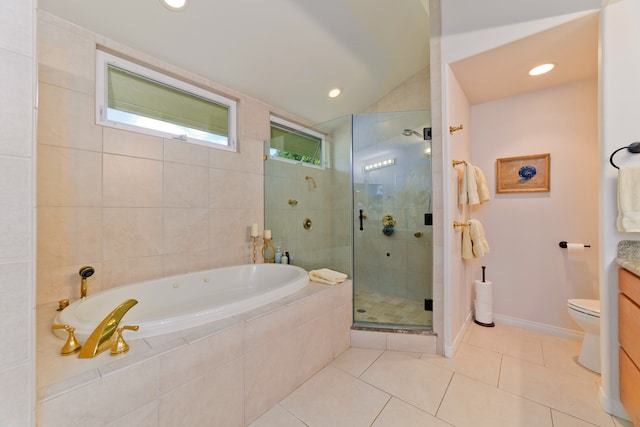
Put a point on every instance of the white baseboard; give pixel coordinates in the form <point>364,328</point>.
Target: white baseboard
<point>613,406</point>
<point>450,350</point>
<point>539,327</point>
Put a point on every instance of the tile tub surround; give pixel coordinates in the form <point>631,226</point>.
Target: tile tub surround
<point>258,357</point>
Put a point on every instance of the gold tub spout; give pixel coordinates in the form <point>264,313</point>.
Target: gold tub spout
<point>103,336</point>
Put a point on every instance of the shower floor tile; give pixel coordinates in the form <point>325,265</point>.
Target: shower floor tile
<point>373,307</point>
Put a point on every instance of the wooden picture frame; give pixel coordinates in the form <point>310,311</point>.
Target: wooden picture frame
<point>523,174</point>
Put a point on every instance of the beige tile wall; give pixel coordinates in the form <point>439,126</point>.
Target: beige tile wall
<point>17,211</point>
<point>133,206</point>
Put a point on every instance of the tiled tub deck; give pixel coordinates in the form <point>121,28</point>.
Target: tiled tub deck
<point>227,372</point>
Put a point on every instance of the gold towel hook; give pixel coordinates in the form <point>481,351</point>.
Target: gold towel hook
<point>460,224</point>
<point>453,129</point>
<point>458,162</point>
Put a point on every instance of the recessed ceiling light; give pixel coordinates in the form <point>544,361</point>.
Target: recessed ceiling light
<point>334,92</point>
<point>174,5</point>
<point>541,69</point>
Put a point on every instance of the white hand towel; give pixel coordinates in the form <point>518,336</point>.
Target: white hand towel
<point>467,251</point>
<point>629,199</point>
<point>468,186</point>
<point>481,182</point>
<point>463,199</point>
<point>325,275</point>
<point>472,185</point>
<point>479,242</point>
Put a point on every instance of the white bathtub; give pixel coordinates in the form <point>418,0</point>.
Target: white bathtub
<point>179,302</point>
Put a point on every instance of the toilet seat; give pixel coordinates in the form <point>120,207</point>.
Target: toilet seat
<point>590,307</point>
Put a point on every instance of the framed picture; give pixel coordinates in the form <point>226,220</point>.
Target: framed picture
<point>523,174</point>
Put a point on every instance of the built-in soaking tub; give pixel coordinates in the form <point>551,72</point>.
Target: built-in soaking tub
<point>179,302</point>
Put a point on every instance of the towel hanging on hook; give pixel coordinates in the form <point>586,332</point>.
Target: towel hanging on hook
<point>634,148</point>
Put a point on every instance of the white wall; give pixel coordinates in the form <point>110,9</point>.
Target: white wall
<point>619,126</point>
<point>17,212</point>
<point>456,146</point>
<point>532,276</point>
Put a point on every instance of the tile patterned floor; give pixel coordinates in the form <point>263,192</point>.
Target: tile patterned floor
<point>389,310</point>
<point>502,376</point>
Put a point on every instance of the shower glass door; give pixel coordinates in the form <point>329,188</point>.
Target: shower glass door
<point>392,232</point>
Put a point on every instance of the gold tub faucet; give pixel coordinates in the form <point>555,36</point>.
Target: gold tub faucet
<point>104,335</point>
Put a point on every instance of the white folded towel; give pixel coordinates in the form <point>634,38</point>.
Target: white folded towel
<point>325,275</point>
<point>629,199</point>
<point>468,186</point>
<point>478,241</point>
<point>481,182</point>
<point>467,246</point>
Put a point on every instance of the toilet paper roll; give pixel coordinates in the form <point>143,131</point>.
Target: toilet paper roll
<point>575,247</point>
<point>483,313</point>
<point>484,291</point>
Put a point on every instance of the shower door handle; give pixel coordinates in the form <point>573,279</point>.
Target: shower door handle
<point>361,218</point>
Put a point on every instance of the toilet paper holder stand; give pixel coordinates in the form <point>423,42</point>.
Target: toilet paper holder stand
<point>563,245</point>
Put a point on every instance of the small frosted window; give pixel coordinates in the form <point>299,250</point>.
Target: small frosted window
<point>299,145</point>
<point>140,99</point>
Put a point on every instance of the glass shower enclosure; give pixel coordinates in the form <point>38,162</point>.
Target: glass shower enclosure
<point>364,209</point>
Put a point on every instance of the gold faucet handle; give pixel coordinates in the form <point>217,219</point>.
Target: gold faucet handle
<point>72,346</point>
<point>119,345</point>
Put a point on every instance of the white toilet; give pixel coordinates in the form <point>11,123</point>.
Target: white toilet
<point>586,313</point>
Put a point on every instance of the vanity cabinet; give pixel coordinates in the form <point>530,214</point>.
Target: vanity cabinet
<point>629,337</point>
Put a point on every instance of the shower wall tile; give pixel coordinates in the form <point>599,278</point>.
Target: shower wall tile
<point>255,117</point>
<point>58,183</point>
<point>247,159</point>
<point>61,281</point>
<point>393,101</point>
<point>185,262</point>
<point>15,306</point>
<point>14,34</point>
<point>73,235</point>
<point>66,55</point>
<point>186,186</point>
<point>17,218</point>
<point>190,154</point>
<point>117,141</point>
<point>15,399</point>
<point>418,91</point>
<point>231,227</point>
<point>185,230</point>
<point>132,182</point>
<point>66,119</point>
<point>132,232</point>
<point>16,122</point>
<point>123,271</point>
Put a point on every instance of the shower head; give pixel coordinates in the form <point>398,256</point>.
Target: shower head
<point>86,271</point>
<point>410,132</point>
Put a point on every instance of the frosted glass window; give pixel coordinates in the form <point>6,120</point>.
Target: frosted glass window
<point>291,142</point>
<point>140,99</point>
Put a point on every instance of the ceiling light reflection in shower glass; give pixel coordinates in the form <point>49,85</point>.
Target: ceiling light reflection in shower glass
<point>380,164</point>
<point>541,69</point>
<point>174,5</point>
